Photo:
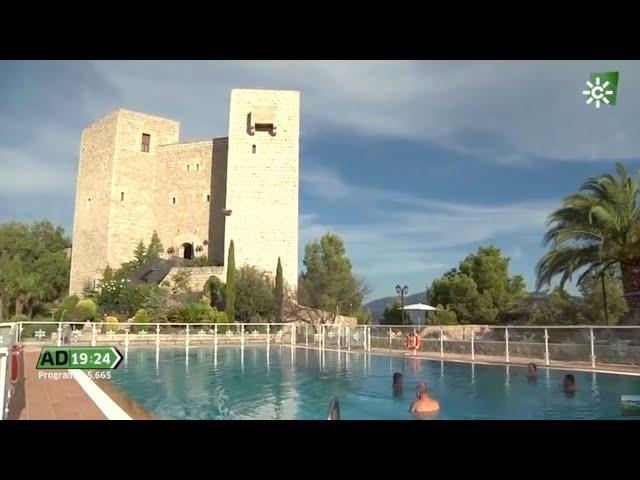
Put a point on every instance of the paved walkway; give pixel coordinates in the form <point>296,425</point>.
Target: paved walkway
<point>45,399</point>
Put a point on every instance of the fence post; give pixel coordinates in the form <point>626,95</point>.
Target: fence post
<point>242,334</point>
<point>441,343</point>
<point>365,339</point>
<point>59,334</point>
<point>473,349</point>
<point>506,343</point>
<point>186,340</point>
<point>339,334</point>
<point>268,337</point>
<point>306,334</point>
<point>593,351</point>
<point>546,345</point>
<point>157,335</point>
<point>390,337</point>
<point>293,334</point>
<point>367,331</point>
<point>348,336</point>
<point>126,338</point>
<point>93,335</point>
<point>215,335</point>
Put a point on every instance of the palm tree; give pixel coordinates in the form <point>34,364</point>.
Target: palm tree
<point>25,289</point>
<point>594,230</point>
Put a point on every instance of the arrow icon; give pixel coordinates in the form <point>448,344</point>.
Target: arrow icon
<point>118,358</point>
<point>81,358</point>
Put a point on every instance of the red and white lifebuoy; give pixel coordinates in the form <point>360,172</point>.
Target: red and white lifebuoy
<point>412,341</point>
<point>15,363</point>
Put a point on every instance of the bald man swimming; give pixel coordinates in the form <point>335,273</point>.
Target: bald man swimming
<point>424,403</point>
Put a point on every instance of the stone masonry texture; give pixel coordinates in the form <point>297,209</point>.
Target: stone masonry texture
<point>196,195</point>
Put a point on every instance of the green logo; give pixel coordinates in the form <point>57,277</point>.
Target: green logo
<point>90,358</point>
<point>603,88</point>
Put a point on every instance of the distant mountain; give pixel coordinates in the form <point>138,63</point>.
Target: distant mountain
<point>377,306</point>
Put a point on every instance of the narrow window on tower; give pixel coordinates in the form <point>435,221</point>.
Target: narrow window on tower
<point>187,167</point>
<point>173,200</point>
<point>197,167</point>
<point>208,197</point>
<point>122,196</point>
<point>253,149</point>
<point>146,141</point>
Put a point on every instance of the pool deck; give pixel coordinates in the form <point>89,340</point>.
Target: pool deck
<point>65,398</point>
<point>513,361</point>
<point>42,399</point>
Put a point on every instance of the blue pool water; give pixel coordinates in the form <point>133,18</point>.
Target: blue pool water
<point>297,383</point>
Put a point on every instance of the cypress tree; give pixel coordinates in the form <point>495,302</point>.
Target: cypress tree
<point>279,291</point>
<point>230,290</point>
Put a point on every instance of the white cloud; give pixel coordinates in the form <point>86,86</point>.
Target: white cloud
<point>508,111</point>
<point>427,235</point>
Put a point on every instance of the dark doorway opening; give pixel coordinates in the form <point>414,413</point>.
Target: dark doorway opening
<point>188,251</point>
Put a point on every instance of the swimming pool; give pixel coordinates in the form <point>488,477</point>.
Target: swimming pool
<point>287,383</point>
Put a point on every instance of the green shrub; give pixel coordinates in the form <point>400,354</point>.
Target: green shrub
<point>193,313</point>
<point>221,320</point>
<point>443,316</point>
<point>215,289</point>
<point>203,261</point>
<point>141,317</point>
<point>220,317</point>
<point>66,306</point>
<point>84,310</point>
<point>112,323</point>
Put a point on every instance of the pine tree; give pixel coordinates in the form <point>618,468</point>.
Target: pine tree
<point>140,254</point>
<point>155,246</point>
<point>107,276</point>
<point>279,291</point>
<point>230,294</point>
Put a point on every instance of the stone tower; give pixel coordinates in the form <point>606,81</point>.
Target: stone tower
<point>135,177</point>
<point>263,178</point>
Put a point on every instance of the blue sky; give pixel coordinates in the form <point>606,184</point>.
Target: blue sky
<point>415,164</point>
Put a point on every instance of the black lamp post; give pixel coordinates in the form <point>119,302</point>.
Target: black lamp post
<point>402,291</point>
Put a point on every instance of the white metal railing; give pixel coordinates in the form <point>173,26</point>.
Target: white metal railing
<point>7,339</point>
<point>4,382</point>
<point>594,344</point>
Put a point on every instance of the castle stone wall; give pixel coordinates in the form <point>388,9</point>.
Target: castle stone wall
<point>131,216</point>
<point>93,201</point>
<point>124,194</point>
<point>184,173</point>
<point>262,187</point>
<point>198,276</point>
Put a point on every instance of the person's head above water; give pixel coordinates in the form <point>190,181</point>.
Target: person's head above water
<point>421,389</point>
<point>569,382</point>
<point>532,370</point>
<point>397,378</point>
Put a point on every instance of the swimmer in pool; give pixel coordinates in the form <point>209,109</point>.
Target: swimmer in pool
<point>424,403</point>
<point>397,383</point>
<point>569,384</point>
<point>532,372</point>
